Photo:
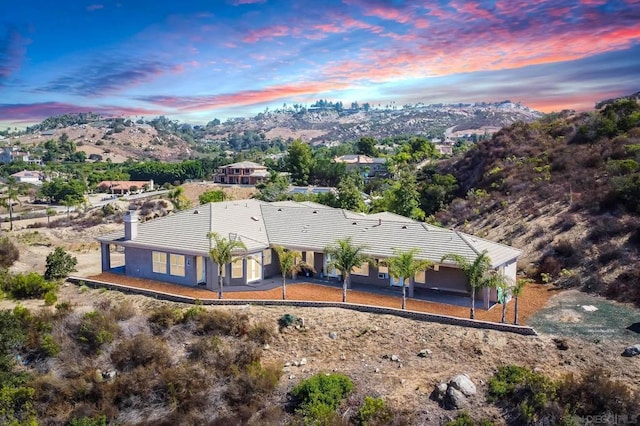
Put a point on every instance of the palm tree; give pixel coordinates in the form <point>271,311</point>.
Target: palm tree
<point>344,257</point>
<point>505,286</point>
<point>517,291</point>
<point>222,254</point>
<point>477,273</point>
<point>289,265</point>
<point>404,265</point>
<point>178,198</point>
<point>9,200</point>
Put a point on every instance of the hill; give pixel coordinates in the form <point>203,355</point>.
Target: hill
<point>566,188</point>
<point>119,139</point>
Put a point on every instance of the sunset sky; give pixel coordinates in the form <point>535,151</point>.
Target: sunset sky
<point>196,60</point>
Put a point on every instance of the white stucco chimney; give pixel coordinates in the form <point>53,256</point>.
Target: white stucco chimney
<point>130,225</point>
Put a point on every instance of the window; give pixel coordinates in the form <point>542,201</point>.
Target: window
<point>383,271</point>
<point>159,262</point>
<point>177,265</point>
<point>236,268</point>
<point>266,257</point>
<point>420,277</point>
<point>362,270</point>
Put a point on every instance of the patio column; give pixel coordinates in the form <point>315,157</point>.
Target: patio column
<point>211,270</point>
<point>411,287</point>
<point>105,257</point>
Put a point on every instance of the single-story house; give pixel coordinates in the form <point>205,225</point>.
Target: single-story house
<point>123,187</point>
<point>175,248</point>
<point>29,176</point>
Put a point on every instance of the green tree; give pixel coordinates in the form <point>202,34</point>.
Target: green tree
<point>288,265</point>
<point>222,254</point>
<point>211,196</point>
<point>274,189</point>
<point>344,256</point>
<point>298,162</point>
<point>10,198</point>
<point>59,190</point>
<point>50,211</point>
<point>404,265</point>
<point>367,146</point>
<point>478,273</point>
<point>437,191</point>
<point>59,264</point>
<point>179,200</point>
<point>405,198</point>
<point>350,195</point>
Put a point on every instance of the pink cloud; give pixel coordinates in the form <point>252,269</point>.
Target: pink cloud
<point>266,33</point>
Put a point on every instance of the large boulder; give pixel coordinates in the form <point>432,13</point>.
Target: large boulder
<point>632,350</point>
<point>463,383</point>
<point>455,399</point>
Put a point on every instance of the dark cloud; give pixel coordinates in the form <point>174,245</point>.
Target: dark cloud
<point>108,77</point>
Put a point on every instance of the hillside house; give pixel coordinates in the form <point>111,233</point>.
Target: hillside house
<point>368,167</point>
<point>123,187</point>
<point>9,154</point>
<point>29,176</point>
<point>242,173</point>
<point>175,248</point>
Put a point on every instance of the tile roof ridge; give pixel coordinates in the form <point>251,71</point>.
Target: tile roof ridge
<point>467,242</point>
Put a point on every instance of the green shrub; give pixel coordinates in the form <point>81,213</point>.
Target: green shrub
<point>26,286</point>
<point>321,394</point>
<point>533,393</point>
<point>50,298</point>
<point>95,330</point>
<point>48,346</point>
<point>59,264</point>
<point>286,320</point>
<point>462,419</point>
<point>89,421</point>
<point>64,308</point>
<point>374,411</point>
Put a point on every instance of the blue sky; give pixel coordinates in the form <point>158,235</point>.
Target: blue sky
<point>196,60</point>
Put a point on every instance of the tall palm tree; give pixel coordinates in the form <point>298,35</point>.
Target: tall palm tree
<point>517,291</point>
<point>222,254</point>
<point>505,286</point>
<point>9,200</point>
<point>344,257</point>
<point>50,211</point>
<point>478,274</point>
<point>288,265</point>
<point>404,265</point>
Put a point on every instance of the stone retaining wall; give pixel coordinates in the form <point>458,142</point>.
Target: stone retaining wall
<point>414,315</point>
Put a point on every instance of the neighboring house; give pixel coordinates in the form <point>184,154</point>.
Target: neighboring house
<point>368,166</point>
<point>242,173</point>
<point>9,154</point>
<point>29,176</point>
<point>122,187</point>
<point>175,248</point>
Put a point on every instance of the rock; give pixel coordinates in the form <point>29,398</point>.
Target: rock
<point>455,399</point>
<point>287,364</point>
<point>303,361</point>
<point>333,335</point>
<point>266,346</point>
<point>108,375</point>
<point>632,350</point>
<point>424,353</point>
<point>395,358</point>
<point>377,370</point>
<point>463,383</point>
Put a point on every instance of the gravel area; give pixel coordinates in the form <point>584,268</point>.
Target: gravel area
<point>534,298</point>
